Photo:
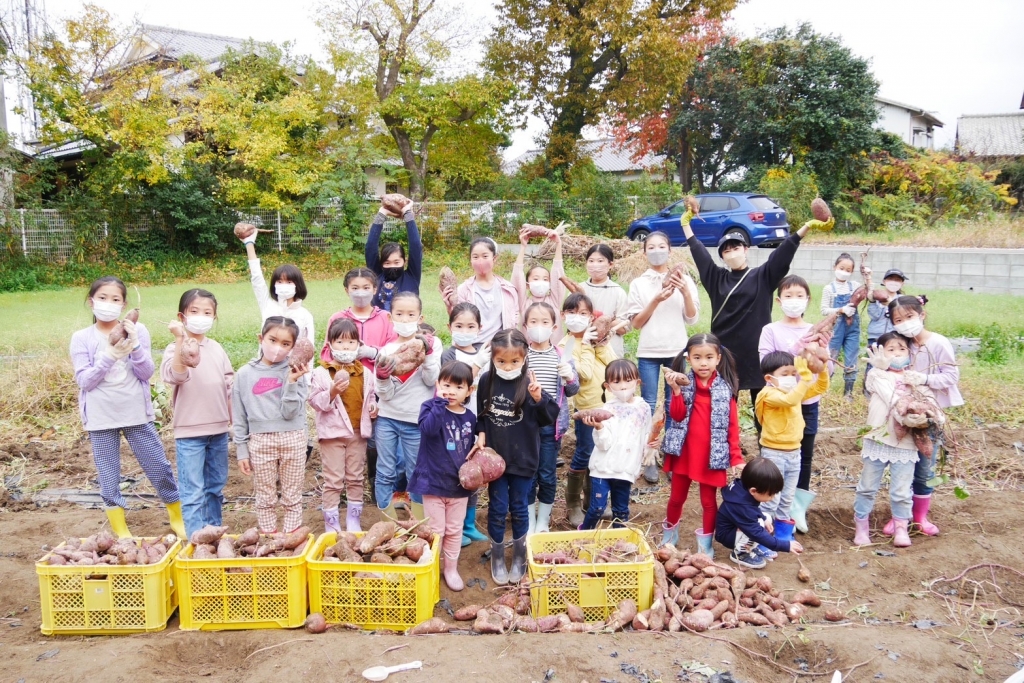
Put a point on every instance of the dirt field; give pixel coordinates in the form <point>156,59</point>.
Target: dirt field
<point>897,629</point>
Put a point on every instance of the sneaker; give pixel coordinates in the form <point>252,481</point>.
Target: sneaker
<point>766,553</point>
<point>749,560</point>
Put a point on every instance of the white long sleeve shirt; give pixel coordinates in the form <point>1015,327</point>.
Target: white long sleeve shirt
<point>270,307</point>
<point>664,333</point>
<point>620,442</point>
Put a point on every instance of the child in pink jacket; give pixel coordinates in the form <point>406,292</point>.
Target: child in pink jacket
<point>341,394</point>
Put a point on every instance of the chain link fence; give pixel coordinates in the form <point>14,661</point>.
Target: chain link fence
<point>61,235</point>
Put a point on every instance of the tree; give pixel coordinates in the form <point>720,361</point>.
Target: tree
<point>579,60</point>
<point>397,53</point>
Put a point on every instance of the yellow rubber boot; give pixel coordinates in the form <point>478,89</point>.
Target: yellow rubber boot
<point>117,522</point>
<point>389,512</point>
<point>177,522</point>
<point>416,509</point>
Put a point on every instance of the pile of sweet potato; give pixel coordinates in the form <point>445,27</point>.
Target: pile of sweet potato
<point>103,548</point>
<point>693,592</point>
<point>584,551</point>
<point>214,543</point>
<point>387,542</point>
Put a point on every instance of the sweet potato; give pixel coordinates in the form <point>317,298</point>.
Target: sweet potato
<point>577,628</point>
<point>414,549</point>
<point>298,550</point>
<point>821,332</point>
<point>795,611</point>
<point>754,618</point>
<point>548,623</point>
<point>488,622</point>
<point>416,527</point>
<point>394,203</point>
<point>658,619</point>
<point>764,583</point>
<point>686,572</point>
<point>700,560</point>
<point>467,613</point>
<point>315,623</point>
<point>250,536</point>
<point>596,414</point>
<point>433,625</point>
<point>506,614</point>
<point>820,210</point>
<point>641,622</point>
<point>56,559</point>
<point>834,614</point>
<point>721,608</point>
<point>119,334</point>
<point>104,540</point>
<point>699,620</point>
<point>605,325</point>
<point>243,230</point>
<point>483,467</point>
<point>693,205</point>
<point>293,539</point>
<point>208,535</point>
<point>446,279</point>
<point>381,558</point>
<point>575,613</point>
<point>570,285</point>
<point>526,624</point>
<point>203,552</point>
<point>302,353</point>
<point>190,353</point>
<point>535,231</point>
<point>225,548</point>
<point>523,604</point>
<point>807,597</point>
<point>623,615</point>
<point>378,534</point>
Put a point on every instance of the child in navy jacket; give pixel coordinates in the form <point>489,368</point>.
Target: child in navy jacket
<point>741,525</point>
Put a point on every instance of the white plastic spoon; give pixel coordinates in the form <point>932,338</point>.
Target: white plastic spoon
<point>379,673</point>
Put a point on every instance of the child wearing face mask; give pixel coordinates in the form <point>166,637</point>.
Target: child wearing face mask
<point>702,433</point>
<point>114,398</point>
<point>269,425</point>
<point>793,297</point>
<point>607,295</point>
<point>511,410</point>
<point>836,296</point>
<point>285,294</point>
<point>890,443</point>
<point>495,297</point>
<point>590,363</point>
<point>343,402</point>
<point>201,401</point>
<point>878,305</point>
<point>540,285</point>
<point>619,444</point>
<point>933,366</point>
<point>557,377</point>
<point>399,398</point>
<point>394,271</point>
<point>788,382</point>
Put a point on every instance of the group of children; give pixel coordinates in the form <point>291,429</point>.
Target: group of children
<point>392,406</point>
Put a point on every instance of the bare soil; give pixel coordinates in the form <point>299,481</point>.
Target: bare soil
<point>900,625</point>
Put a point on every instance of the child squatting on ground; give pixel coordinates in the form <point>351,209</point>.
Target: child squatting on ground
<point>742,525</point>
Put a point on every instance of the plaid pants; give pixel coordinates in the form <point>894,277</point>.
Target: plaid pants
<point>148,450</point>
<point>278,458</point>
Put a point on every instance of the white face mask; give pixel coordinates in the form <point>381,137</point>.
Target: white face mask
<point>575,322</point>
<point>894,287</point>
<point>624,395</point>
<point>406,329</point>
<point>464,338</point>
<point>539,288</point>
<point>657,258</point>
<point>106,311</point>
<point>842,275</point>
<point>910,328</point>
<point>360,299</point>
<point>539,333</point>
<point>786,383</point>
<point>344,356</point>
<point>794,308</point>
<point>735,259</point>
<point>509,374</point>
<point>284,291</point>
<point>198,324</point>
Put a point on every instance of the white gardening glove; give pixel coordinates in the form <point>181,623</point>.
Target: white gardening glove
<point>251,239</point>
<point>914,378</point>
<point>849,311</point>
<point>590,335</point>
<point>133,333</point>
<point>877,359</point>
<point>120,350</point>
<point>365,351</point>
<point>565,371</point>
<point>915,420</point>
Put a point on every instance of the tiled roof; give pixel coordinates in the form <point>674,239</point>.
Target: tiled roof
<point>606,154</point>
<point>176,43</point>
<point>991,135</point>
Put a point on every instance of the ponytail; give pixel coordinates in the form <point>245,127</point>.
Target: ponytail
<point>726,367</point>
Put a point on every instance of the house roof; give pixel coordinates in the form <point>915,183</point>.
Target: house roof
<point>607,155</point>
<point>176,43</point>
<point>991,135</point>
<point>915,110</point>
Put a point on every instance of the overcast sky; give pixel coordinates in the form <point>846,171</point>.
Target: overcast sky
<point>948,56</point>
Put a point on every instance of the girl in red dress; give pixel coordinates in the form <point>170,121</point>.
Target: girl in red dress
<point>702,433</point>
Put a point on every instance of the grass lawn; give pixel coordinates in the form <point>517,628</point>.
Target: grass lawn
<point>38,326</point>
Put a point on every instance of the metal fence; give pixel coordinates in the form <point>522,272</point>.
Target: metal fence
<point>60,236</point>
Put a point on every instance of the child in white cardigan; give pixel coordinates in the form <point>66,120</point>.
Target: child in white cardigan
<point>619,443</point>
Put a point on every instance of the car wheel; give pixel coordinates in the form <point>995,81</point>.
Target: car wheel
<point>640,235</point>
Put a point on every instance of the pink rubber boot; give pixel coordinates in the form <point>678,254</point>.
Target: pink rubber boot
<point>451,573</point>
<point>920,512</point>
<point>901,539</point>
<point>863,535</point>
<point>890,527</point>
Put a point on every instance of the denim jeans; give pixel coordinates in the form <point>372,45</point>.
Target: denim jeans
<point>651,379</point>
<point>788,463</point>
<point>600,491</point>
<point>810,413</point>
<point>546,483</point>
<point>901,474</point>
<point>398,444</point>
<point>846,337</point>
<point>925,468</point>
<point>202,473</point>
<point>508,493</point>
<point>584,447</point>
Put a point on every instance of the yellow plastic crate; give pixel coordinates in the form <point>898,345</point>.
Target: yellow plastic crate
<point>241,593</point>
<point>597,588</point>
<point>401,596</point>
<point>107,599</point>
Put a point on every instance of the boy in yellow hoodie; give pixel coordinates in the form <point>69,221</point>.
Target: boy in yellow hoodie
<point>789,382</point>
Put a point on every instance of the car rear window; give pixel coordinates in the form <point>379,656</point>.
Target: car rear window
<point>763,204</point>
<point>710,204</point>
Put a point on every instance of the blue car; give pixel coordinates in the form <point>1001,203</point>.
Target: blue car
<point>763,221</point>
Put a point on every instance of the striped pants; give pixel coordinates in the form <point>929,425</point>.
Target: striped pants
<point>148,450</point>
<point>278,458</point>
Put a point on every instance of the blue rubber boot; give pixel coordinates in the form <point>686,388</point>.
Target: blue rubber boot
<point>784,529</point>
<point>704,543</point>
<point>670,534</point>
<point>469,530</point>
